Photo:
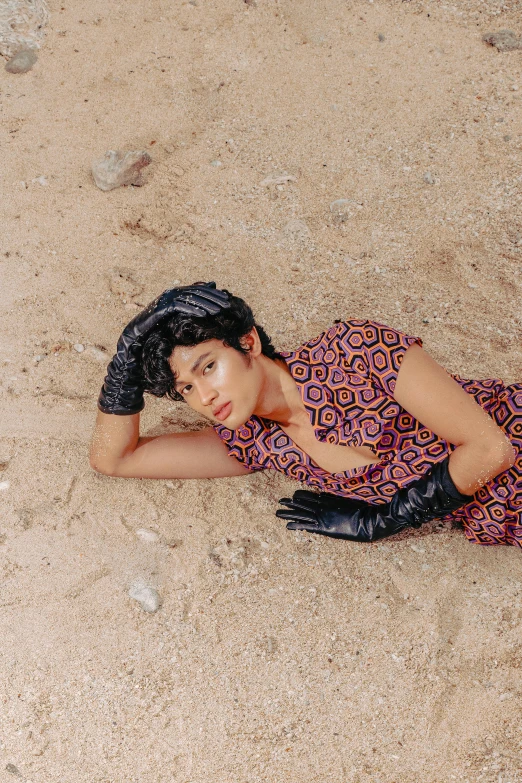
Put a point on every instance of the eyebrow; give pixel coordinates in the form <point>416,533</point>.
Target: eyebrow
<point>194,367</point>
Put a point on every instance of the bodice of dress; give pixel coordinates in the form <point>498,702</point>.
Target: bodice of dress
<point>346,378</point>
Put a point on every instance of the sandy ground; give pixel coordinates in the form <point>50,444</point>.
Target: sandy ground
<point>275,657</point>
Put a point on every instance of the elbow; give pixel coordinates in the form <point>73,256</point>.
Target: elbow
<point>101,467</point>
<point>503,455</point>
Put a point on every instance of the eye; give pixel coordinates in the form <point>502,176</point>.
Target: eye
<point>186,390</point>
<point>208,367</point>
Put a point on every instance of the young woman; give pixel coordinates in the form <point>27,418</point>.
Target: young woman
<point>360,413</point>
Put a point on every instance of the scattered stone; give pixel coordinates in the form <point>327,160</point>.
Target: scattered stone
<point>342,209</point>
<point>148,536</point>
<point>503,40</point>
<point>39,358</point>
<point>122,283</point>
<point>216,163</point>
<point>79,348</point>
<point>277,179</point>
<point>118,168</point>
<point>13,770</point>
<point>296,229</point>
<point>4,485</point>
<point>147,597</point>
<point>97,353</point>
<point>41,181</point>
<point>381,37</point>
<point>22,62</point>
<point>428,178</point>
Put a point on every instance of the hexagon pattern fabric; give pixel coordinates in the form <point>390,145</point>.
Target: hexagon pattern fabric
<point>347,377</point>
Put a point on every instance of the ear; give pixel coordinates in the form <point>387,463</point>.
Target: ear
<point>252,343</point>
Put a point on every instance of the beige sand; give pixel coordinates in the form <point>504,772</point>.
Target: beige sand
<point>275,657</point>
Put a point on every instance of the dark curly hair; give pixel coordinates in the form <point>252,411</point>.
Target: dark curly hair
<point>229,326</point>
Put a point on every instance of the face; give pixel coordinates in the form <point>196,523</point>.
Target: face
<point>219,382</point>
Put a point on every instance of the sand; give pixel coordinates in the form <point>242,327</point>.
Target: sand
<point>274,657</point>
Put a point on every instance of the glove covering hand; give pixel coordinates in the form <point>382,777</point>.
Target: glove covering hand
<point>432,495</point>
<point>122,391</point>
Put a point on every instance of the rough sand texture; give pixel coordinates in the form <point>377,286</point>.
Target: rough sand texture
<point>275,657</point>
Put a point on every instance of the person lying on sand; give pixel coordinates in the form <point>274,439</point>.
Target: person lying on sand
<point>383,435</point>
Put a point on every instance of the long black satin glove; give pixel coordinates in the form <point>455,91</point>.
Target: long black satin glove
<point>431,496</point>
<point>122,391</point>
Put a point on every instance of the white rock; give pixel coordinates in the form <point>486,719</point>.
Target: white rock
<point>118,168</point>
<point>41,181</point>
<point>428,178</point>
<point>147,597</point>
<point>4,485</point>
<point>79,347</point>
<point>216,163</point>
<point>277,179</point>
<point>147,535</point>
<point>97,353</point>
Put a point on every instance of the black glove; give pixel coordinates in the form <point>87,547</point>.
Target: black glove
<point>432,495</point>
<point>122,391</point>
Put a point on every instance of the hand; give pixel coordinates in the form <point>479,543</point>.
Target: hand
<point>430,496</point>
<point>198,299</point>
<point>322,513</point>
<point>122,391</point>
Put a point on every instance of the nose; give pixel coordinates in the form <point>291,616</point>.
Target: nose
<point>207,394</point>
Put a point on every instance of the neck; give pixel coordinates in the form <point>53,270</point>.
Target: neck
<point>279,399</point>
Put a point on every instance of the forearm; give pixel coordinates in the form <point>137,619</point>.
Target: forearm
<point>114,438</point>
<point>472,465</point>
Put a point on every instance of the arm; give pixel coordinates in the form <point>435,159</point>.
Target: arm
<point>118,450</point>
<point>426,391</point>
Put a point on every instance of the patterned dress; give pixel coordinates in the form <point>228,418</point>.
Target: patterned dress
<point>346,377</point>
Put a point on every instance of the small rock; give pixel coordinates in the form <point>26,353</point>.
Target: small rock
<point>79,348</point>
<point>178,171</point>
<point>147,597</point>
<point>149,536</point>
<point>13,770</point>
<point>97,353</point>
<point>277,179</point>
<point>428,178</point>
<point>216,163</point>
<point>39,358</point>
<point>503,40</point>
<point>41,181</point>
<point>296,229</point>
<point>22,62</point>
<point>118,168</point>
<point>122,282</point>
<point>4,485</point>
<point>381,37</point>
<point>342,209</point>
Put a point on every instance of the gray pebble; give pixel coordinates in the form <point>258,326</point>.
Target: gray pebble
<point>22,62</point>
<point>503,40</point>
<point>147,597</point>
<point>428,178</point>
<point>118,168</point>
<point>342,209</point>
<point>381,37</point>
<point>13,770</point>
<point>216,163</point>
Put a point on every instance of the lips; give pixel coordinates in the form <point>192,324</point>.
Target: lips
<point>223,412</point>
